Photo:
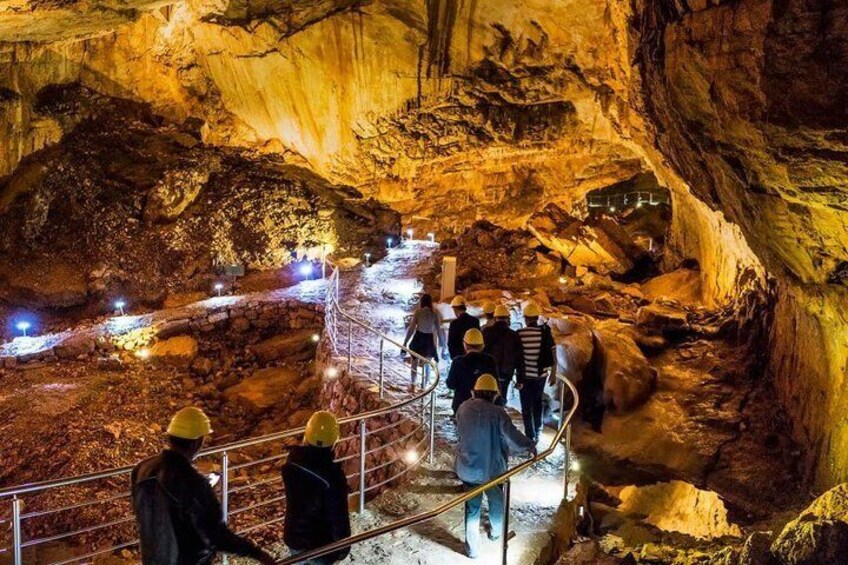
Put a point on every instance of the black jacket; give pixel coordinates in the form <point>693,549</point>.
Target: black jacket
<point>316,501</point>
<point>503,343</point>
<point>179,517</point>
<point>464,372</point>
<point>456,332</point>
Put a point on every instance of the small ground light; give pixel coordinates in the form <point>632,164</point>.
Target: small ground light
<point>23,326</point>
<point>306,270</point>
<point>612,209</point>
<point>120,305</point>
<point>639,204</point>
<point>219,287</point>
<point>316,338</point>
<point>575,465</point>
<point>143,353</point>
<point>411,456</point>
<point>409,233</point>
<point>332,372</point>
<point>562,280</point>
<point>432,237</point>
<point>367,259</point>
<point>389,242</point>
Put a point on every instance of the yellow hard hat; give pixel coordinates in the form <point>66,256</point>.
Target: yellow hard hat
<point>487,383</point>
<point>501,311</point>
<point>322,429</point>
<point>190,423</point>
<point>473,337</point>
<point>457,301</point>
<point>532,310</point>
<point>489,307</point>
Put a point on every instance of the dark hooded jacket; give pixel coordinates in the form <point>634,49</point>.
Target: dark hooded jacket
<point>503,343</point>
<point>464,372</point>
<point>179,517</point>
<point>456,333</point>
<point>316,501</point>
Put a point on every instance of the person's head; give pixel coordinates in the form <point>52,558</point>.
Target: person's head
<point>489,310</point>
<point>501,314</point>
<point>458,305</point>
<point>486,388</point>
<point>532,313</point>
<point>322,430</point>
<point>473,340</point>
<point>426,301</point>
<point>187,431</point>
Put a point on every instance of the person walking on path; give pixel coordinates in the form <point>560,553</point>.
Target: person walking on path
<point>180,520</point>
<point>466,369</point>
<point>425,336</point>
<point>316,492</point>
<point>486,437</point>
<point>462,322</point>
<point>537,342</point>
<point>504,344</point>
<point>489,313</point>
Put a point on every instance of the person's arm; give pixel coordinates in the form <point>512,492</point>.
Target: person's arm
<point>207,516</point>
<point>519,360</point>
<point>514,439</point>
<point>413,325</point>
<point>338,516</point>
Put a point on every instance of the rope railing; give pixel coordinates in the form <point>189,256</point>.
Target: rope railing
<point>363,356</point>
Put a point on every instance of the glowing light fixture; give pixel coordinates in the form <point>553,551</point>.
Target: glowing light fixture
<point>575,465</point>
<point>143,353</point>
<point>316,338</point>
<point>409,233</point>
<point>389,242</point>
<point>562,280</point>
<point>432,237</point>
<point>639,204</point>
<point>120,304</point>
<point>23,326</point>
<point>367,259</point>
<point>612,209</point>
<point>331,372</point>
<point>219,287</point>
<point>306,270</point>
<point>411,457</point>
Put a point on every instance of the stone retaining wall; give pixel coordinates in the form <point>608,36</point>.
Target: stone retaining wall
<point>346,395</point>
<point>266,314</point>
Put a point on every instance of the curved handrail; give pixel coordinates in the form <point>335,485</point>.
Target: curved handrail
<point>38,486</point>
<point>450,504</point>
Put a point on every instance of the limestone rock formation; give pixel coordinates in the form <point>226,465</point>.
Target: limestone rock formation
<point>819,535</point>
<point>628,378</point>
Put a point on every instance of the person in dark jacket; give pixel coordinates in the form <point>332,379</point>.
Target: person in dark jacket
<point>457,328</point>
<point>465,369</point>
<point>180,520</point>
<point>316,492</point>
<point>489,314</point>
<point>486,437</point>
<point>537,341</point>
<point>503,343</point>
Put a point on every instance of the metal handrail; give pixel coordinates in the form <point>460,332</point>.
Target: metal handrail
<point>564,431</point>
<point>333,311</point>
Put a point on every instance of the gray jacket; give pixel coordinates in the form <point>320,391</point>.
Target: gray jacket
<point>486,434</point>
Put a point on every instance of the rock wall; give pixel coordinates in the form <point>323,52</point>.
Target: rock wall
<point>346,395</point>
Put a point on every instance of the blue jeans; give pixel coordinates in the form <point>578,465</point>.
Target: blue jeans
<point>473,509</point>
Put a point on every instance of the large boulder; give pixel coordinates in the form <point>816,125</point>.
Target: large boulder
<point>265,389</point>
<point>819,535</point>
<point>575,345</point>
<point>677,506</point>
<point>179,351</point>
<point>627,376</point>
<point>297,345</point>
<point>662,320</point>
<point>682,285</point>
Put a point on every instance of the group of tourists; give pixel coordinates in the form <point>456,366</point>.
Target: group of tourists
<point>181,521</point>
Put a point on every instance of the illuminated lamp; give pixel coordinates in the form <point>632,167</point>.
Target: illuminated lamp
<point>409,233</point>
<point>143,353</point>
<point>23,326</point>
<point>331,372</point>
<point>389,242</point>
<point>432,237</point>
<point>306,270</point>
<point>120,304</point>
<point>367,259</point>
<point>411,457</point>
<point>316,338</point>
<point>219,287</point>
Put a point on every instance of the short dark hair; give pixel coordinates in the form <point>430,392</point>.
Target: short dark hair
<point>461,307</point>
<point>182,443</point>
<point>489,395</point>
<point>426,301</point>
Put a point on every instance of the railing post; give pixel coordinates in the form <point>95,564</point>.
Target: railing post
<point>566,473</point>
<point>225,493</point>
<point>362,448</point>
<point>432,426</point>
<point>16,530</point>
<point>382,346</point>
<point>349,346</point>
<point>505,532</point>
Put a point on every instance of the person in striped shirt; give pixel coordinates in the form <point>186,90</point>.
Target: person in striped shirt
<point>537,343</point>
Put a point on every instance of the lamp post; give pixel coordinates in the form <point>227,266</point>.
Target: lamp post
<point>219,287</point>
<point>120,304</point>
<point>23,326</point>
<point>367,259</point>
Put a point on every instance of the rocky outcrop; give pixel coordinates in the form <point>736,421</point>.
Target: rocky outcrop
<point>628,379</point>
<point>819,535</point>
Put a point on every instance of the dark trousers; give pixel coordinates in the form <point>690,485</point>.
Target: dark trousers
<point>531,394</point>
<point>504,388</point>
<point>473,510</point>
